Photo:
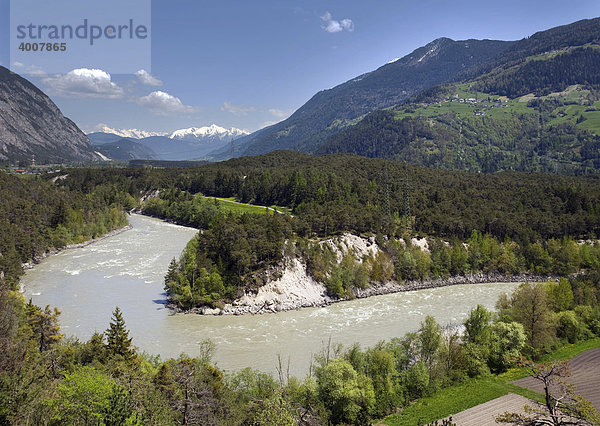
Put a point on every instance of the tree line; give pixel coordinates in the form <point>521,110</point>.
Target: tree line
<point>338,193</point>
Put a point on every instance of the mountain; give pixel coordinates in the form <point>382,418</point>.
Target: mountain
<point>130,133</point>
<point>575,34</point>
<point>101,138</point>
<point>31,125</point>
<point>536,108</point>
<point>331,110</point>
<point>194,143</point>
<point>126,149</point>
<point>210,133</point>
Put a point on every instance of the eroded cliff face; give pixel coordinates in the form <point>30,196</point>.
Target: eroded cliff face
<point>290,286</point>
<point>32,125</point>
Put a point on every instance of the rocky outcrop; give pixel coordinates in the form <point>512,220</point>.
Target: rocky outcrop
<point>293,288</point>
<point>31,125</point>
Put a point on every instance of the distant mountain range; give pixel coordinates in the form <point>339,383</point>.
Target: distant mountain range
<point>32,126</point>
<point>128,133</point>
<point>208,134</point>
<point>194,143</point>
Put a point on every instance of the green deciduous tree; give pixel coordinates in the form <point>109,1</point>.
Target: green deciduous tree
<point>348,396</point>
<point>381,370</point>
<point>561,295</point>
<point>506,343</point>
<point>430,339</point>
<point>477,325</point>
<point>529,305</point>
<point>87,396</point>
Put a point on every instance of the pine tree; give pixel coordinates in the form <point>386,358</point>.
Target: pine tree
<point>44,325</point>
<point>117,336</point>
<point>172,275</point>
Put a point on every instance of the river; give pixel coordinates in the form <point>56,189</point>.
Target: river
<point>127,270</point>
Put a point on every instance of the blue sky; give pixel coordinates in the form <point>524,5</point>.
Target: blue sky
<point>249,63</point>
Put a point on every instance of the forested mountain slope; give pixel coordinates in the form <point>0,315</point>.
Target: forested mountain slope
<point>329,110</point>
<point>544,88</point>
<point>542,114</point>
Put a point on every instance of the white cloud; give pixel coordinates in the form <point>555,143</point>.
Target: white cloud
<point>148,79</point>
<point>161,103</point>
<point>267,124</point>
<point>32,70</point>
<point>237,109</point>
<point>83,83</point>
<point>279,113</point>
<point>36,72</point>
<point>334,26</point>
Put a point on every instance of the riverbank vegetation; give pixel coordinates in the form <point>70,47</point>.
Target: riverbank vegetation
<point>37,216</point>
<point>46,378</point>
<point>506,223</point>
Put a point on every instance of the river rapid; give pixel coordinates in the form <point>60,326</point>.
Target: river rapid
<point>127,270</point>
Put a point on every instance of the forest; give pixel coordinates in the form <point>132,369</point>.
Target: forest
<point>337,193</point>
<point>544,74</point>
<point>512,222</point>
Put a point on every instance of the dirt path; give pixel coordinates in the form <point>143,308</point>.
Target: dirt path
<point>585,376</point>
<point>486,413</point>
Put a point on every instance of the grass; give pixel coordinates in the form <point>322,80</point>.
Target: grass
<point>464,110</point>
<point>472,392</point>
<point>455,399</point>
<point>229,204</point>
<point>569,351</point>
<point>592,122</point>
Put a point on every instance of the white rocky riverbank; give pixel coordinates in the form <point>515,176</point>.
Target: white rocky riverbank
<point>296,289</point>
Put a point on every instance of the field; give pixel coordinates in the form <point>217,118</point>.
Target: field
<point>455,399</point>
<point>240,208</point>
<point>585,376</point>
<point>573,96</point>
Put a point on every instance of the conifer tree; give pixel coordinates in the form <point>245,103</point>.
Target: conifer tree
<point>117,336</point>
<point>44,325</point>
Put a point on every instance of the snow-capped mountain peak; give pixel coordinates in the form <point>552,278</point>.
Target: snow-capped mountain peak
<point>208,132</point>
<point>129,133</point>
